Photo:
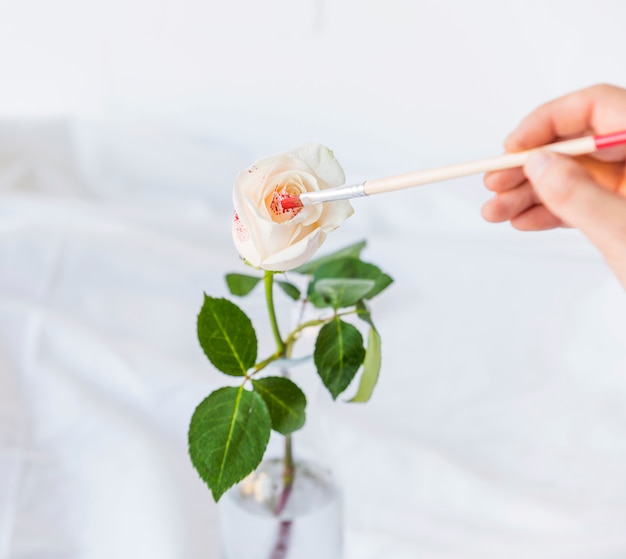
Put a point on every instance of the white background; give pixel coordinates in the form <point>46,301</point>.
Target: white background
<point>444,79</point>
<point>498,424</point>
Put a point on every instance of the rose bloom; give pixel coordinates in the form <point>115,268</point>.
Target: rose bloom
<point>271,237</point>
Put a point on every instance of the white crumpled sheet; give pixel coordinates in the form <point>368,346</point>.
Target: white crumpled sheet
<point>498,428</point>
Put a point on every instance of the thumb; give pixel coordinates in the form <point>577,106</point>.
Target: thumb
<point>571,194</point>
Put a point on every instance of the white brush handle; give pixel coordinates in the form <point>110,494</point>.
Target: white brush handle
<point>578,146</point>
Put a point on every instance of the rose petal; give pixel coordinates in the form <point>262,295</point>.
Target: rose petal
<point>284,243</point>
<point>334,214</point>
<point>323,161</point>
<point>244,244</point>
<point>295,255</point>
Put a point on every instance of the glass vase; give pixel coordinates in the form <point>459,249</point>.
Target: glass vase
<point>290,507</point>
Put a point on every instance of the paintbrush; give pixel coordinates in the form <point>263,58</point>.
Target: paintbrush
<point>578,146</point>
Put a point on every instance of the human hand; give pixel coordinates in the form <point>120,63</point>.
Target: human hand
<point>551,190</point>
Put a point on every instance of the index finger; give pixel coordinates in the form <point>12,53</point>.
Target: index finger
<point>598,109</point>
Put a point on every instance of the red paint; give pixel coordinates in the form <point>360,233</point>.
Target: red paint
<point>283,203</point>
<point>242,232</point>
<point>290,202</point>
<point>608,140</point>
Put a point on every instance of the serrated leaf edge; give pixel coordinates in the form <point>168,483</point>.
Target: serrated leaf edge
<point>262,391</point>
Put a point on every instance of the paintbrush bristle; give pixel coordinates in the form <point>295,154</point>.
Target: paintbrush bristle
<point>290,202</point>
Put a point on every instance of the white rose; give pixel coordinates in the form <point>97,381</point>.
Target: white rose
<point>271,237</point>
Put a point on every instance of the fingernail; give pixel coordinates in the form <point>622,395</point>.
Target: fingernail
<point>537,164</point>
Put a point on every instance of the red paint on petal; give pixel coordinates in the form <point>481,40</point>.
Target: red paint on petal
<point>242,232</point>
<point>282,205</point>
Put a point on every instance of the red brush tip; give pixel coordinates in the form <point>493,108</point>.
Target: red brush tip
<point>290,202</point>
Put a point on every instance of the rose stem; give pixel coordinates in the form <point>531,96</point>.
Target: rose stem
<point>282,541</point>
<point>281,547</point>
<point>288,475</point>
<point>269,297</point>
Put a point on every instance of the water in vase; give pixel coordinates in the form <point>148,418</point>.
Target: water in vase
<point>308,526</point>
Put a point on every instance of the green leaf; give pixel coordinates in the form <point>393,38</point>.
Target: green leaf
<point>371,368</point>
<point>352,251</point>
<point>228,435</point>
<point>363,313</point>
<point>338,354</point>
<point>227,336</point>
<point>290,289</point>
<point>241,284</point>
<point>348,268</point>
<point>285,402</point>
<point>340,293</point>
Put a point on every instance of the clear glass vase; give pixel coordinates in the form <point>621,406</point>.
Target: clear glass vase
<point>265,517</point>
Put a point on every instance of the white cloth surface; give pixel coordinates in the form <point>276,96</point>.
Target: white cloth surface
<point>497,429</point>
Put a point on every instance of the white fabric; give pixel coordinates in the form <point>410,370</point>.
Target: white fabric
<point>498,428</point>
